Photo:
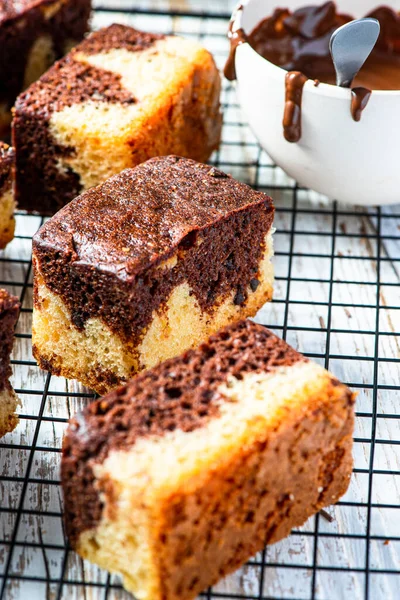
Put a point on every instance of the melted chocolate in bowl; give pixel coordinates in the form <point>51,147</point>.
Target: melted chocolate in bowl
<point>299,43</point>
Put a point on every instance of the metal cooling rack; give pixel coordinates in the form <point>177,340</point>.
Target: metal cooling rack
<point>336,299</point>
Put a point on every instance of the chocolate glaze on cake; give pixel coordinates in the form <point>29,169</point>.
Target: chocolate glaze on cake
<point>180,394</point>
<point>7,157</point>
<point>23,22</point>
<point>9,311</point>
<point>103,253</point>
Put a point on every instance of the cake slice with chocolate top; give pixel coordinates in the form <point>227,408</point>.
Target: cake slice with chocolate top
<point>179,477</point>
<point>9,312</point>
<point>145,266</point>
<point>33,34</point>
<point>120,97</point>
<point>7,202</point>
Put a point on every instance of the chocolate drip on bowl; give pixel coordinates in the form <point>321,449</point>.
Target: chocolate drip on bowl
<point>236,38</point>
<point>295,82</point>
<point>359,99</point>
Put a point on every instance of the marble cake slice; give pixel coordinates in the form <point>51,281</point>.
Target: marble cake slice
<point>145,266</point>
<point>179,477</point>
<point>120,97</point>
<point>9,312</point>
<point>33,34</point>
<point>7,202</point>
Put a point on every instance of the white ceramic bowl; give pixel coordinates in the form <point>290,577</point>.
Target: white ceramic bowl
<point>355,163</point>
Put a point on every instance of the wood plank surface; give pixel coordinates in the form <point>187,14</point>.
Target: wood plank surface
<point>336,300</point>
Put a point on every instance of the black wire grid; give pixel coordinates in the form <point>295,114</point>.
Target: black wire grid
<point>336,299</point>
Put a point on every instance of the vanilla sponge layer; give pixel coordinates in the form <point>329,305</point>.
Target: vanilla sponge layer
<point>182,510</point>
<point>96,352</point>
<point>7,220</point>
<point>177,86</point>
<point>9,403</point>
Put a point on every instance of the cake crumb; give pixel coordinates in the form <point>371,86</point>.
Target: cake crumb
<point>326,516</point>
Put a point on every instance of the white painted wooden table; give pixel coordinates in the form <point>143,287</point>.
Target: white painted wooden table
<point>336,299</point>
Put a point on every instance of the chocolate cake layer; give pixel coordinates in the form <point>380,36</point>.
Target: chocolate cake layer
<point>23,23</point>
<point>9,312</point>
<point>104,253</point>
<point>180,394</point>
